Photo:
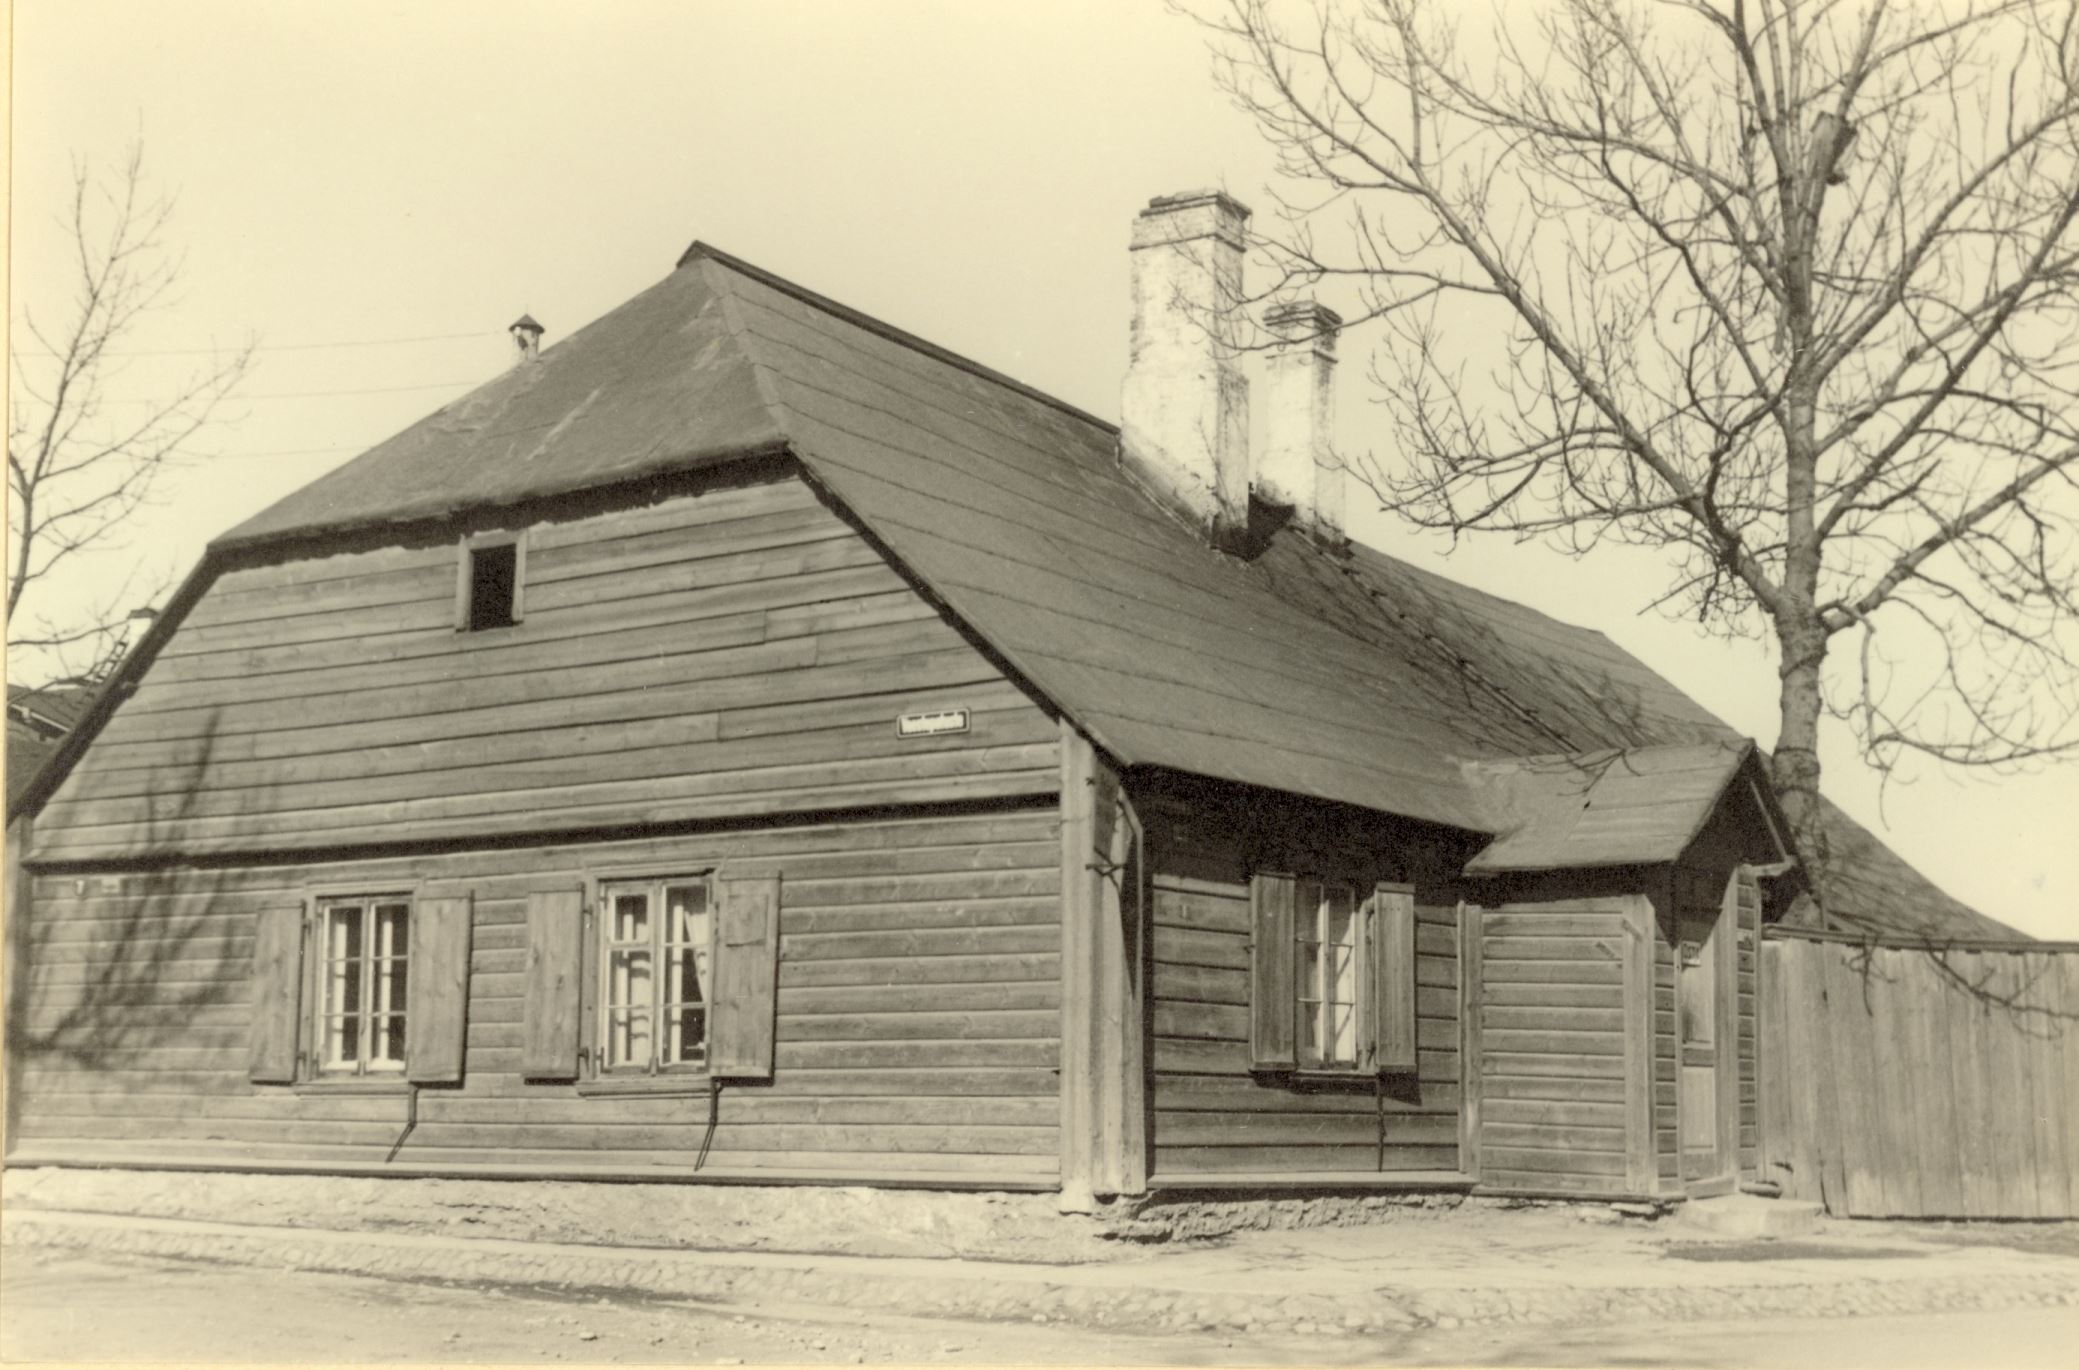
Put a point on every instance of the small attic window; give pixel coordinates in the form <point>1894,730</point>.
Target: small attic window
<point>488,595</point>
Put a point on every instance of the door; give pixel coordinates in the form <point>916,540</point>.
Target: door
<point>1708,1100</point>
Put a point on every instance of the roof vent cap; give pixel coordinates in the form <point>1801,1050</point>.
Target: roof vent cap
<point>527,335</point>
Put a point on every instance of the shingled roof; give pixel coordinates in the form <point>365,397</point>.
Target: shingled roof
<point>1349,676</point>
<point>1641,806</point>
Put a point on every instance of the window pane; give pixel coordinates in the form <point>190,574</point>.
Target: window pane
<point>389,962</point>
<point>341,1007</point>
<point>1342,1034</point>
<point>628,1039</point>
<point>629,996</point>
<point>631,918</point>
<point>386,1043</point>
<point>685,973</point>
<point>1699,994</point>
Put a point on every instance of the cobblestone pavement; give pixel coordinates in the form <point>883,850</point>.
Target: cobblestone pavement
<point>1348,1283</point>
<point>71,1305</point>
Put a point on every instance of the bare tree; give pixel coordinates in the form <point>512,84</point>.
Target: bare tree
<point>81,460</point>
<point>1786,289</point>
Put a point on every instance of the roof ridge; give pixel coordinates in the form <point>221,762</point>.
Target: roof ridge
<point>707,251</point>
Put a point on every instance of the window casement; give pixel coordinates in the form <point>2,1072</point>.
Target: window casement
<point>1698,993</point>
<point>363,982</point>
<point>654,983</point>
<point>490,589</point>
<point>1332,982</point>
<point>654,957</point>
<point>1331,934</point>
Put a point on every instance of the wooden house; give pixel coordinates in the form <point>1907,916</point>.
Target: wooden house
<point>745,742</point>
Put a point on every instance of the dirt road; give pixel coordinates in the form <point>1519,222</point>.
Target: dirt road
<point>62,1306</point>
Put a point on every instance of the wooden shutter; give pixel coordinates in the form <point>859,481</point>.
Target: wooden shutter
<point>1273,994</point>
<point>277,994</point>
<point>555,961</point>
<point>1393,978</point>
<point>747,961</point>
<point>436,1018</point>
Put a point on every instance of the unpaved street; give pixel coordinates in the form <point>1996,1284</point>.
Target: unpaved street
<point>59,1305</point>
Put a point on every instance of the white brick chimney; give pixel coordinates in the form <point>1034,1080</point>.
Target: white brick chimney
<point>1185,407</point>
<point>1299,467</point>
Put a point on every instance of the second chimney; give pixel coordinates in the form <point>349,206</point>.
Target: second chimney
<point>1299,466</point>
<point>1185,406</point>
<point>527,337</point>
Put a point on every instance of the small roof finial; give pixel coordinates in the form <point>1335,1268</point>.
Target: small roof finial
<point>527,334</point>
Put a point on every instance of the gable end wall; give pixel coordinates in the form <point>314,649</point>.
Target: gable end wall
<point>734,651</point>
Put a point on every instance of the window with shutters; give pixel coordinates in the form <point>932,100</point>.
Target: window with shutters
<point>363,986</point>
<point>1333,976</point>
<point>649,984</point>
<point>362,990</point>
<point>655,949</point>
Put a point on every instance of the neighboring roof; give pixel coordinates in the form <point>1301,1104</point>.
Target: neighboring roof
<point>1636,807</point>
<point>1345,676</point>
<point>1873,891</point>
<point>27,754</point>
<point>38,719</point>
<point>50,709</point>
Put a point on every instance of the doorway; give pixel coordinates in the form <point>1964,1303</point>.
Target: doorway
<point>1708,1102</point>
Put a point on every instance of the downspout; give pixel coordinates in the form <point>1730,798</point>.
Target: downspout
<point>714,1117</point>
<point>411,1119</point>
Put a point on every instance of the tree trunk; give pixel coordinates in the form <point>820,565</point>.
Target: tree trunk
<point>1796,762</point>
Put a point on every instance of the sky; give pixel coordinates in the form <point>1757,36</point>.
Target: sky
<point>373,191</point>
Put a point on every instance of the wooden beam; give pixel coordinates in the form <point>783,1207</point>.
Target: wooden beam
<point>1641,1162</point>
<point>1103,1111</point>
<point>1471,1069</point>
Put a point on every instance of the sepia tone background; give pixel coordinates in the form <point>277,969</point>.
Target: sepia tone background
<point>371,192</point>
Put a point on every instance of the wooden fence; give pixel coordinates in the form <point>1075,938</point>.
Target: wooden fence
<point>1902,1081</point>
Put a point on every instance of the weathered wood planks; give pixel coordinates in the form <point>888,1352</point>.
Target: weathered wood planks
<point>1211,1114</point>
<point>738,650</point>
<point>1565,1056</point>
<point>1907,1082</point>
<point>916,1022</point>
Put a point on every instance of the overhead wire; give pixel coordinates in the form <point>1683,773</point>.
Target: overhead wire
<point>274,347</point>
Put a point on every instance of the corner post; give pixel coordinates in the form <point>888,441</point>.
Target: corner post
<point>1103,1143</point>
<point>1470,1070</point>
<point>1641,1165</point>
<point>15,914</point>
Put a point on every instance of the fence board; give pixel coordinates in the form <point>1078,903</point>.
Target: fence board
<point>1849,1023</point>
<point>1780,1134</point>
<point>1904,1081</point>
<point>1941,1185</point>
<point>2068,1044</point>
<point>1824,1109</point>
<point>1968,1055</point>
<point>2053,1121</point>
<point>1897,1126</point>
<point>2013,1111</point>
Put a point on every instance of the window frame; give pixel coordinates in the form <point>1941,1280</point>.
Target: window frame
<point>465,579</point>
<point>1364,984</point>
<point>313,1072</point>
<point>594,1076</point>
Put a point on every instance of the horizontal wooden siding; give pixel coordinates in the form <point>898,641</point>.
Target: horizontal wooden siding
<point>1211,1115</point>
<point>1552,1063</point>
<point>741,650</point>
<point>919,983</point>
